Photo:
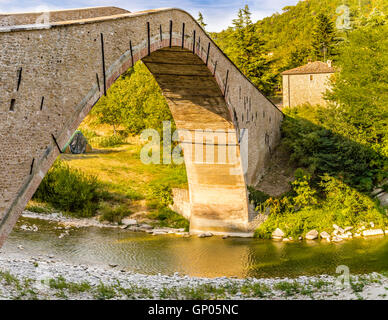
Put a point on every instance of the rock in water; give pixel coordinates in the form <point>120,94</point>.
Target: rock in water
<point>129,222</point>
<point>205,235</point>
<point>312,235</point>
<point>277,234</point>
<point>325,235</point>
<point>373,232</point>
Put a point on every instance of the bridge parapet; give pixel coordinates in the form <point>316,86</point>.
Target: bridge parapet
<point>16,19</point>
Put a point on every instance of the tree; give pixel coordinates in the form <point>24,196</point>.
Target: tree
<point>323,38</point>
<point>109,110</point>
<point>135,102</point>
<point>248,52</point>
<point>201,20</point>
<point>359,93</point>
<point>298,56</point>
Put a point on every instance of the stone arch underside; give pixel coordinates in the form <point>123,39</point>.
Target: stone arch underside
<point>51,76</point>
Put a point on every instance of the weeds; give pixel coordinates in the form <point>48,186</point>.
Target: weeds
<point>289,288</point>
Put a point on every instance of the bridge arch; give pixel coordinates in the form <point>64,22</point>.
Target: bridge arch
<point>51,76</point>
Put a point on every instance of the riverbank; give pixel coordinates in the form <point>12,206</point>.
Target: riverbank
<point>45,277</point>
<point>67,222</point>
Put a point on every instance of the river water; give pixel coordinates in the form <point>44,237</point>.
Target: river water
<point>204,257</point>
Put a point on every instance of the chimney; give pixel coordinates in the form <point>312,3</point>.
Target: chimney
<point>329,63</point>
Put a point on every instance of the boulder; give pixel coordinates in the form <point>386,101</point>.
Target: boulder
<point>129,222</point>
<point>375,192</point>
<point>337,239</point>
<point>324,235</point>
<point>205,235</point>
<point>277,234</point>
<point>372,232</point>
<point>158,232</point>
<point>361,229</point>
<point>348,229</point>
<point>383,198</point>
<point>145,226</point>
<point>312,235</point>
<point>346,235</point>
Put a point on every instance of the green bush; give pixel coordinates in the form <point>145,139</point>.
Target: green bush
<point>88,133</point>
<point>113,213</point>
<point>321,150</point>
<point>108,141</point>
<point>135,102</point>
<point>256,197</point>
<point>69,190</point>
<point>169,218</point>
<point>162,193</point>
<point>303,211</point>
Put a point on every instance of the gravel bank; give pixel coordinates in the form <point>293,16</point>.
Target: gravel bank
<point>70,221</point>
<point>45,277</point>
<point>94,222</point>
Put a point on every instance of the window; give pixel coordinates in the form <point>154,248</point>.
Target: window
<point>311,77</point>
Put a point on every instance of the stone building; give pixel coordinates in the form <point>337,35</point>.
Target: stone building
<point>306,84</point>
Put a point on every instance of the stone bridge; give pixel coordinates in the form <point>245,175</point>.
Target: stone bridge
<point>55,66</point>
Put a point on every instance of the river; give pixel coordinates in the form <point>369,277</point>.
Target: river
<point>202,257</point>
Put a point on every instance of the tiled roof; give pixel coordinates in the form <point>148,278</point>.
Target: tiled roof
<point>311,67</point>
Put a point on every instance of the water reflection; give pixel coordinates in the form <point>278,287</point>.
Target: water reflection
<point>210,257</point>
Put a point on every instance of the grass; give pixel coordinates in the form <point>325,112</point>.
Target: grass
<point>39,207</point>
<point>114,213</point>
<point>257,290</point>
<point>169,218</point>
<point>125,182</point>
<point>289,288</point>
<point>122,172</point>
<point>60,283</point>
<point>22,288</point>
<point>104,292</point>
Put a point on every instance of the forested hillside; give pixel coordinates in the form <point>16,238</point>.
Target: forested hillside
<point>288,39</point>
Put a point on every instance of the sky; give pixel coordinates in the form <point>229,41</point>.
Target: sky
<point>217,14</point>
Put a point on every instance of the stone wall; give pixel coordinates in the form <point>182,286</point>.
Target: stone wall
<point>14,19</point>
<point>304,88</point>
<point>51,77</point>
<point>181,203</point>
